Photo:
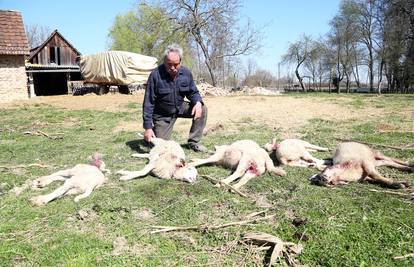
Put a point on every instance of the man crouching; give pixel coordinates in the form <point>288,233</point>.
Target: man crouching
<point>167,87</point>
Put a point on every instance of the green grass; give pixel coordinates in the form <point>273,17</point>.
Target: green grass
<point>346,226</point>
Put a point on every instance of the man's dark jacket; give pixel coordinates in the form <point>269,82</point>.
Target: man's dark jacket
<point>164,97</point>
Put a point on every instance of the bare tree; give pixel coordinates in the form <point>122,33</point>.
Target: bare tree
<point>397,43</point>
<point>297,53</point>
<point>336,43</point>
<point>260,77</point>
<point>251,67</point>
<point>37,34</point>
<point>314,63</point>
<point>366,25</point>
<point>213,26</point>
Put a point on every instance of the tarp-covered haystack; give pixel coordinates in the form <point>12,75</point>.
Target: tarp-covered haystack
<point>117,68</point>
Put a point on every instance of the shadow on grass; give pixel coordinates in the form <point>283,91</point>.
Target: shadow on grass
<point>140,146</point>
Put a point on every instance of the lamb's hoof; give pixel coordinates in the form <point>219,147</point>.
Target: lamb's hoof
<point>37,184</point>
<point>125,178</point>
<point>237,187</point>
<point>190,180</point>
<point>37,201</point>
<point>218,185</point>
<point>281,172</point>
<point>320,167</point>
<point>399,185</point>
<point>406,184</point>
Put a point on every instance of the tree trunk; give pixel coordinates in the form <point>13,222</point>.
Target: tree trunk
<point>371,70</point>
<point>380,76</point>
<point>299,78</point>
<point>199,40</point>
<point>347,82</point>
<point>356,70</point>
<point>330,80</point>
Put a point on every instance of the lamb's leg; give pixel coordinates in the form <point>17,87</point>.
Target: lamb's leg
<point>283,161</point>
<point>129,175</point>
<point>393,164</point>
<point>320,164</point>
<point>300,163</point>
<point>74,191</point>
<point>60,191</point>
<point>62,175</point>
<point>379,156</point>
<point>244,179</point>
<point>239,172</point>
<point>212,159</point>
<point>372,173</point>
<point>270,167</point>
<point>139,155</point>
<point>87,193</point>
<point>311,147</point>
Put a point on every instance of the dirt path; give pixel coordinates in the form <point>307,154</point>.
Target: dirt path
<point>287,113</point>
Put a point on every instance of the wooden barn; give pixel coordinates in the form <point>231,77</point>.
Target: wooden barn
<point>13,50</point>
<point>52,65</point>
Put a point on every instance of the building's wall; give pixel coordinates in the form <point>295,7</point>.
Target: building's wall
<point>13,79</point>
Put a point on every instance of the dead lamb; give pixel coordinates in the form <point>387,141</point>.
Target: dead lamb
<point>166,161</point>
<point>245,157</point>
<point>295,152</point>
<point>82,179</point>
<point>357,162</point>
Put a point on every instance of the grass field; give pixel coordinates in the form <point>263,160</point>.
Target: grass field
<point>350,225</point>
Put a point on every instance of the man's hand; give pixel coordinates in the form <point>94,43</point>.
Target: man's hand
<point>197,111</point>
<point>148,134</point>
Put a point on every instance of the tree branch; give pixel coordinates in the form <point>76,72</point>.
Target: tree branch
<point>207,227</point>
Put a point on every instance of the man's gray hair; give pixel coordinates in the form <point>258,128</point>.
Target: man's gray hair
<point>173,48</point>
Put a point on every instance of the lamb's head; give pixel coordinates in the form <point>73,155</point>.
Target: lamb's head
<point>184,172</point>
<point>96,160</point>
<point>338,174</point>
<point>271,146</point>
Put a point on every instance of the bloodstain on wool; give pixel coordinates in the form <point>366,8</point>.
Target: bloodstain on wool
<point>348,165</point>
<point>253,168</point>
<point>97,163</point>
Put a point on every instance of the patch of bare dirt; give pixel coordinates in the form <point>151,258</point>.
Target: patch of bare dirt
<point>286,113</point>
<point>121,246</point>
<point>124,126</point>
<point>108,102</point>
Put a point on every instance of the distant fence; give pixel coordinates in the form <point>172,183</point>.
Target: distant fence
<point>366,90</point>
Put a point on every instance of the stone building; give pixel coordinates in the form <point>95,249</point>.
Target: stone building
<point>13,50</point>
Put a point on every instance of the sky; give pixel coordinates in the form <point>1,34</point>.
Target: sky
<point>85,23</point>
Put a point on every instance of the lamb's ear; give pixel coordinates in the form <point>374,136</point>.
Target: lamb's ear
<point>96,156</point>
<point>273,141</point>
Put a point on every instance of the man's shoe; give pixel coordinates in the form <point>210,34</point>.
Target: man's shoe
<point>197,147</point>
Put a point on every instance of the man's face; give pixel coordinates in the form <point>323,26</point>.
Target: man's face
<point>172,62</point>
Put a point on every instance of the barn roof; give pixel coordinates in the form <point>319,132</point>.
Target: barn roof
<point>36,50</point>
<point>13,39</point>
